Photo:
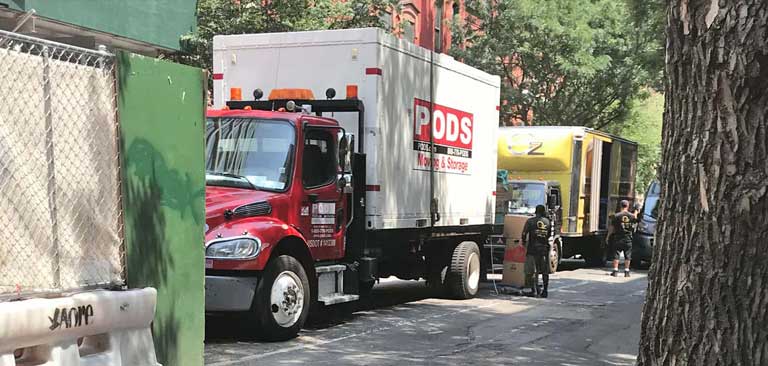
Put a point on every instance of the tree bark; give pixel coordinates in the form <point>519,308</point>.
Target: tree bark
<point>707,298</point>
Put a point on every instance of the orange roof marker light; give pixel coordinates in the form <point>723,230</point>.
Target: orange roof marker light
<point>247,108</point>
<point>298,94</point>
<point>351,91</point>
<point>235,94</point>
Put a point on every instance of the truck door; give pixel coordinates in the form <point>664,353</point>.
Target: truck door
<point>554,201</point>
<point>592,187</point>
<point>322,214</point>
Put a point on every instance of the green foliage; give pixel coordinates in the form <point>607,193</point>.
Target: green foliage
<point>571,62</point>
<point>649,17</point>
<point>644,127</point>
<point>219,17</point>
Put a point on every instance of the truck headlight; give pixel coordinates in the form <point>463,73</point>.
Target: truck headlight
<point>234,248</point>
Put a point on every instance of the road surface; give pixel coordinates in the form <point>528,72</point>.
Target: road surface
<point>589,318</point>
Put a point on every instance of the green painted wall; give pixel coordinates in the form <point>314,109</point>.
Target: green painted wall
<point>159,22</point>
<point>161,112</point>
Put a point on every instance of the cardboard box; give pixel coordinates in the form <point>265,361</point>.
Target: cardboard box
<point>513,226</point>
<point>514,253</point>
<point>514,265</point>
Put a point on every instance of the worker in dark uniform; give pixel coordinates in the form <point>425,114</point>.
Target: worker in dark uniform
<point>620,237</point>
<point>536,234</point>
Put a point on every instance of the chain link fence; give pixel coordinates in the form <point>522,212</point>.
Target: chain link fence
<point>60,199</point>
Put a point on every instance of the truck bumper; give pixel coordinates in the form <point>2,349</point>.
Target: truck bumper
<point>642,247</point>
<point>223,293</point>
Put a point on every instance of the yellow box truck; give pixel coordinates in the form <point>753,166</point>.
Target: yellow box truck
<point>580,174</point>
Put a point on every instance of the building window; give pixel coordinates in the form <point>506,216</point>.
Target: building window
<point>408,23</point>
<point>386,20</point>
<point>409,32</point>
<point>438,26</point>
<point>455,9</point>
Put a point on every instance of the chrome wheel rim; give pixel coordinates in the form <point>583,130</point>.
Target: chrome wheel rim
<point>473,272</point>
<point>286,299</point>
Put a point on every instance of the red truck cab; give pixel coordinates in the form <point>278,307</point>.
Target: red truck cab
<point>287,220</point>
<point>275,208</point>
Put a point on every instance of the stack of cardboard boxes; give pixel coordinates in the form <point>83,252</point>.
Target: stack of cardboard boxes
<point>514,254</point>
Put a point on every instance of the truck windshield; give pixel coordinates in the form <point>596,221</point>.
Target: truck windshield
<point>524,197</point>
<point>248,153</point>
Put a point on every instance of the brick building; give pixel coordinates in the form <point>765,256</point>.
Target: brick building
<point>424,21</point>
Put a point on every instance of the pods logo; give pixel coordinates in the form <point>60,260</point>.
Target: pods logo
<point>450,127</point>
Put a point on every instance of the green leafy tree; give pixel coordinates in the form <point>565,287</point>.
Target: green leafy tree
<point>217,17</point>
<point>648,17</point>
<point>570,62</point>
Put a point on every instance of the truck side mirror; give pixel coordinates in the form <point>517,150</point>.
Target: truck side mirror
<point>552,202</point>
<point>343,151</point>
<point>346,145</point>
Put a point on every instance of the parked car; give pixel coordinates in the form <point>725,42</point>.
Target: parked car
<point>642,248</point>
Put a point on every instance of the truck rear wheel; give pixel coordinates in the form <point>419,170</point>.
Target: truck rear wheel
<point>464,273</point>
<point>282,299</point>
<point>554,257</point>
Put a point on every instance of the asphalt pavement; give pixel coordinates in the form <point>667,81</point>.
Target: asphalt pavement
<point>590,318</point>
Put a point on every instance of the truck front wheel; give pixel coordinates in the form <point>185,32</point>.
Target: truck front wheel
<point>464,274</point>
<point>282,299</point>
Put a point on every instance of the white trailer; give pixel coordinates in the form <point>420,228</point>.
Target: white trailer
<point>396,80</point>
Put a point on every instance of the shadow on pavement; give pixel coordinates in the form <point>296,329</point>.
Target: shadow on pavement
<point>391,296</point>
<point>574,264</point>
<point>455,333</point>
<point>227,328</point>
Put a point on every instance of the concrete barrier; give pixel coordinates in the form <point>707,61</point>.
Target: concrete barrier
<point>86,329</point>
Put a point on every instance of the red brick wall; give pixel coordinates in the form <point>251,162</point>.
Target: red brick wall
<point>423,15</point>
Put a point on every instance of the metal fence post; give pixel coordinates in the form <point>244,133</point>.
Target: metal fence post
<point>51,167</point>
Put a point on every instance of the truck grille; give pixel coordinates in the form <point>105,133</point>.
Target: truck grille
<point>253,209</point>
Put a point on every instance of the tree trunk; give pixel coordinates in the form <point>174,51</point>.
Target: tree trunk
<point>707,300</point>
